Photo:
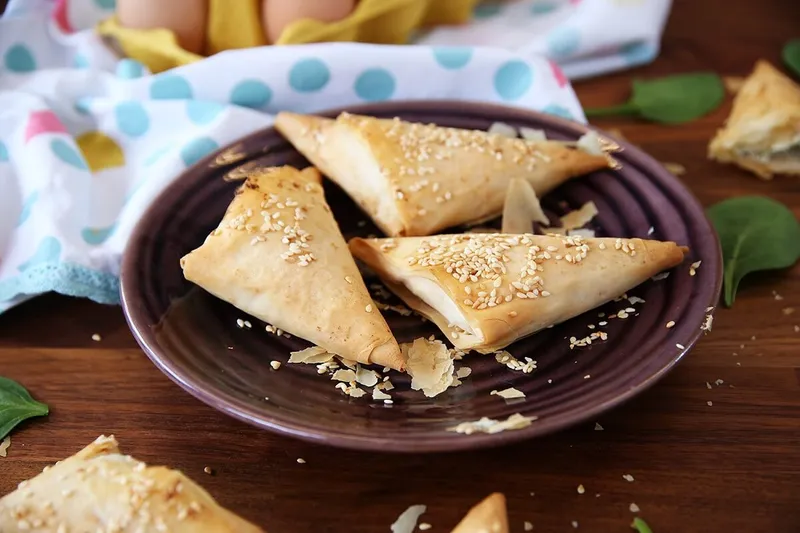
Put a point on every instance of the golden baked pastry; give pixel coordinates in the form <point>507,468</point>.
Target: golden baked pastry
<point>279,255</point>
<point>762,133</point>
<point>99,489</point>
<point>488,516</point>
<point>485,291</point>
<point>417,179</point>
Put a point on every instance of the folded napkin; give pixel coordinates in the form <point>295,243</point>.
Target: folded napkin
<point>87,141</point>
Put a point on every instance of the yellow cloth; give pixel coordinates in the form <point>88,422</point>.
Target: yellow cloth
<point>237,24</point>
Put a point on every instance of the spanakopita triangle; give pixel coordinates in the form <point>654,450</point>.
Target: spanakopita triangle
<point>417,179</point>
<point>485,291</point>
<point>762,133</point>
<point>279,255</point>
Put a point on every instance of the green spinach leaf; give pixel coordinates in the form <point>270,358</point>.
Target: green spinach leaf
<point>670,100</point>
<point>756,233</point>
<point>641,526</point>
<point>791,56</point>
<point>16,405</point>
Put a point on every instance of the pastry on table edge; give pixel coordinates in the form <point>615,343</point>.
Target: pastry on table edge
<point>762,133</point>
<point>417,179</point>
<point>488,516</point>
<point>100,489</point>
<point>485,291</point>
<point>278,255</point>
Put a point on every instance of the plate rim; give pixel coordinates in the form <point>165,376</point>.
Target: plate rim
<point>235,408</point>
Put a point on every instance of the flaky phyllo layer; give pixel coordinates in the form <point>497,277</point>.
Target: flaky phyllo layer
<point>486,291</point>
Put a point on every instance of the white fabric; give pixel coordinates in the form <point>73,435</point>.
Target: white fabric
<point>87,141</point>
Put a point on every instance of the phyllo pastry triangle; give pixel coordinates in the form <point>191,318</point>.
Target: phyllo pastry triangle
<point>485,291</point>
<point>488,516</point>
<point>762,133</point>
<point>100,489</point>
<point>417,179</point>
<point>279,255</point>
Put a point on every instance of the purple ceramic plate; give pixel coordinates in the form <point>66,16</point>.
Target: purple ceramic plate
<point>193,337</point>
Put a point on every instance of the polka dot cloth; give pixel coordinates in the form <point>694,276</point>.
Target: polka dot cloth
<point>123,134</point>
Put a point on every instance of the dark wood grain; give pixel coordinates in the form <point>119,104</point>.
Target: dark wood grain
<point>732,466</point>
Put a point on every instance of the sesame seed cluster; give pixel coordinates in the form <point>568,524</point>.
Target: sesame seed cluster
<point>420,145</point>
<point>480,263</point>
<point>281,215</point>
<point>138,485</point>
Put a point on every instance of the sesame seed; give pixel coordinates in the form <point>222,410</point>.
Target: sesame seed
<point>598,427</point>
<point>424,526</point>
<point>96,337</point>
<point>512,314</point>
<point>368,308</point>
<point>628,478</point>
<point>587,376</point>
<point>301,460</point>
<point>348,279</point>
<point>275,365</point>
<point>710,403</point>
<point>581,490</point>
<point>670,324</point>
<point>527,526</point>
<point>680,346</point>
<point>575,524</point>
<point>634,508</point>
<point>208,470</point>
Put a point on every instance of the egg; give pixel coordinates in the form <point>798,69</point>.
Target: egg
<point>186,18</point>
<point>278,14</point>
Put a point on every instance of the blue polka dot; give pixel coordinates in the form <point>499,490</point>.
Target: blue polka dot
<point>132,119</point>
<point>106,4</point>
<point>95,236</point>
<point>309,75</point>
<point>129,69</point>
<point>559,111</point>
<point>202,113</point>
<point>486,10</point>
<point>3,152</point>
<point>27,206</point>
<point>156,155</point>
<point>83,105</point>
<point>638,53</point>
<point>170,86</point>
<point>563,42</point>
<point>251,93</point>
<point>197,149</point>
<point>543,8</point>
<point>48,251</point>
<point>452,57</point>
<point>80,61</point>
<point>68,154</point>
<point>513,79</point>
<point>19,59</point>
<point>374,85</point>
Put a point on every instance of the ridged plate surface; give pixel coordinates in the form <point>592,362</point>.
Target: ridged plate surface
<point>194,339</point>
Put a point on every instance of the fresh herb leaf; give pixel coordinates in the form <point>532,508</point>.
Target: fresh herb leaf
<point>16,405</point>
<point>670,100</point>
<point>791,56</point>
<point>756,233</point>
<point>641,526</point>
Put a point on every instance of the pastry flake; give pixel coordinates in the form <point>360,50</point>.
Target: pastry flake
<point>490,516</point>
<point>279,255</point>
<point>485,291</point>
<point>762,133</point>
<point>100,489</point>
<point>417,179</point>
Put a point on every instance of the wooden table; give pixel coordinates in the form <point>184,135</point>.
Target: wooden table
<point>732,466</point>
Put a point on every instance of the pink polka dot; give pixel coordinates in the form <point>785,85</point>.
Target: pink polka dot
<point>43,122</point>
<point>60,16</point>
<point>561,79</point>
